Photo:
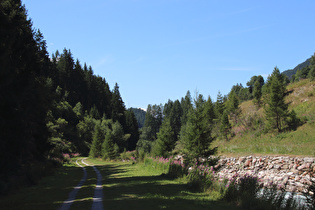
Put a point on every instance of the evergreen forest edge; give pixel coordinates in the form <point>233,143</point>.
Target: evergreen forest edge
<point>55,107</point>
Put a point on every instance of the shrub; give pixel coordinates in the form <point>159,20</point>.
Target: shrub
<point>177,169</point>
<point>200,178</point>
<point>128,155</point>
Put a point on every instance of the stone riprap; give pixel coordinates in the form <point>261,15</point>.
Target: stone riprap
<point>294,174</point>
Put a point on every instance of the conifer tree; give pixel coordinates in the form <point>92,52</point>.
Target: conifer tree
<point>118,107</point>
<point>24,101</point>
<point>197,137</point>
<point>257,93</point>
<point>219,105</point>
<point>98,139</point>
<point>108,150</point>
<point>186,104</point>
<point>276,110</point>
<point>133,130</point>
<point>233,106</point>
<point>311,73</point>
<point>152,123</point>
<point>225,126</point>
<point>165,140</point>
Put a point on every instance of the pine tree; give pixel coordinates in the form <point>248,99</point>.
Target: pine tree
<point>219,105</point>
<point>98,139</point>
<point>186,104</point>
<point>118,107</point>
<point>311,73</point>
<point>175,119</point>
<point>257,93</point>
<point>233,106</point>
<point>133,130</point>
<point>225,126</point>
<point>108,150</point>
<point>165,142</point>
<point>152,123</point>
<point>276,110</point>
<point>197,137</point>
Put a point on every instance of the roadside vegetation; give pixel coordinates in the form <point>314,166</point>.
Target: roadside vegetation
<point>154,183</point>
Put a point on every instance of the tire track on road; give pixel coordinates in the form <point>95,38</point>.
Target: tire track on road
<point>67,203</point>
<point>98,192</point>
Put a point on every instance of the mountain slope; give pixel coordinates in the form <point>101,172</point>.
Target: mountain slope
<point>140,116</point>
<point>250,138</point>
<point>291,72</point>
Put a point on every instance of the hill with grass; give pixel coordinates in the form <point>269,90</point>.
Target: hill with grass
<point>249,136</point>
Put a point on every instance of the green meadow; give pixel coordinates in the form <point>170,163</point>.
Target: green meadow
<point>125,185</point>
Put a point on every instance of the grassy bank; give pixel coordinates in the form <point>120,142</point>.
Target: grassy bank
<point>251,139</point>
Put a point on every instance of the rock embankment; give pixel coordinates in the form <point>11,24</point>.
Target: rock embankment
<point>294,174</point>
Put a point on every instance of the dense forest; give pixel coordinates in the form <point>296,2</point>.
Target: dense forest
<point>51,106</point>
<point>54,107</point>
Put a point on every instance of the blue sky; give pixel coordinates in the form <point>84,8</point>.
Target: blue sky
<point>158,49</point>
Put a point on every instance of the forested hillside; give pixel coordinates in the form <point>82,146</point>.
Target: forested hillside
<point>251,119</point>
<point>291,72</point>
<point>54,107</point>
<point>140,116</point>
<point>51,107</point>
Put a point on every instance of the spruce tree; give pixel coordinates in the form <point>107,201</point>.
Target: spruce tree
<point>219,105</point>
<point>186,104</point>
<point>108,150</point>
<point>165,142</point>
<point>197,137</point>
<point>133,130</point>
<point>98,139</point>
<point>118,107</point>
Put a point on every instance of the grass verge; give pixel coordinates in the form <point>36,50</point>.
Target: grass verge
<point>48,194</point>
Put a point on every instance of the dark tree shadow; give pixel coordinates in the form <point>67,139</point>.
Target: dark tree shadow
<point>150,192</point>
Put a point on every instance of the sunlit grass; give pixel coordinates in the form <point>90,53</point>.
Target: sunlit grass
<point>125,186</point>
<point>139,187</point>
<point>301,99</point>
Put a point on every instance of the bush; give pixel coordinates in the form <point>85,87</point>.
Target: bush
<point>127,155</point>
<point>176,169</point>
<point>140,155</point>
<point>200,178</point>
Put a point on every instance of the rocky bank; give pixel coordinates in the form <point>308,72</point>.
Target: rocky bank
<point>294,174</point>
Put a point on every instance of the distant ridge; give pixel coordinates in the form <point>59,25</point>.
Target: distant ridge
<point>140,115</point>
<point>291,72</point>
